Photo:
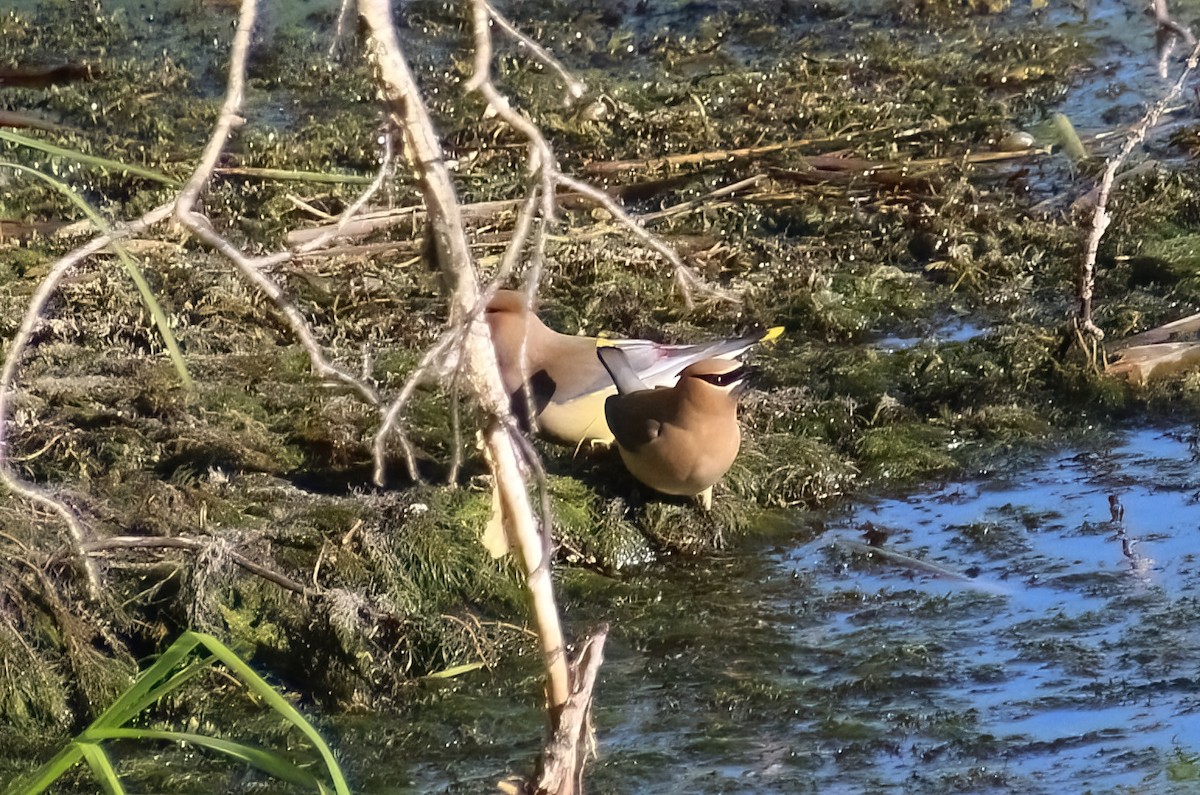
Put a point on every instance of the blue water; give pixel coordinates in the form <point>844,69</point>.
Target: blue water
<point>1053,657</point>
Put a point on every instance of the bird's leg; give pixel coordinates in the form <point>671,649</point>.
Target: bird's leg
<point>705,498</point>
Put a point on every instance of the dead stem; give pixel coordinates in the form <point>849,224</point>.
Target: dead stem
<point>394,413</point>
<point>253,268</point>
<point>34,315</point>
<point>97,548</point>
<point>483,379</point>
<point>543,162</point>
<point>574,739</point>
<point>1101,218</point>
<point>385,171</point>
<point>451,340</point>
<point>575,87</point>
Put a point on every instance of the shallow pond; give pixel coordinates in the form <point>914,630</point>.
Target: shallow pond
<point>1028,630</point>
<point>1062,656</point>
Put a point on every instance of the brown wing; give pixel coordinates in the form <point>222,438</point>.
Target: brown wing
<point>637,418</point>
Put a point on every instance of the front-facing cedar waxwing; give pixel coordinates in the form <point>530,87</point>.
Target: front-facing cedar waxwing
<point>681,439</point>
<point>566,383</point>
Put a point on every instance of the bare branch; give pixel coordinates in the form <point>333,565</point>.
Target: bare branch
<point>1166,34</point>
<point>34,314</point>
<point>391,418</point>
<point>685,277</point>
<point>543,161</point>
<point>1100,217</point>
<point>385,171</point>
<point>253,268</point>
<point>449,236</point>
<point>228,119</point>
<point>345,14</point>
<point>575,87</point>
<point>96,548</point>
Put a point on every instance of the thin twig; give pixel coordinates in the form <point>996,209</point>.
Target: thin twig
<point>453,338</point>
<point>392,417</point>
<point>345,14</point>
<point>575,87</point>
<point>1167,33</point>
<point>253,268</point>
<point>229,117</point>
<point>1100,217</point>
<point>95,548</point>
<point>34,314</point>
<point>543,162</point>
<point>456,453</point>
<point>685,277</point>
<point>385,171</point>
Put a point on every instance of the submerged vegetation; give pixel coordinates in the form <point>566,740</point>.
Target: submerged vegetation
<point>925,277</point>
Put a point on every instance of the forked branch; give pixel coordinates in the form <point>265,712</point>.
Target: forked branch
<point>423,151</point>
<point>1090,333</point>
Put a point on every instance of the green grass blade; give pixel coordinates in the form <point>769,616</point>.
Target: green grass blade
<point>135,273</point>
<point>168,673</point>
<point>151,685</point>
<point>162,689</point>
<point>90,160</point>
<point>39,780</point>
<point>102,768</point>
<point>455,670</point>
<point>269,762</point>
<point>277,702</point>
<point>136,698</point>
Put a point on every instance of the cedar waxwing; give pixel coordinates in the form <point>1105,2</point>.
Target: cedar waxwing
<point>681,439</point>
<point>566,382</point>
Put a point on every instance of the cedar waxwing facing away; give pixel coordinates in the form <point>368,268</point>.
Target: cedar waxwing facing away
<point>567,383</point>
<point>681,439</point>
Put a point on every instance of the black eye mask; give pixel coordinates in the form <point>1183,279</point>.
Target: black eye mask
<point>725,379</point>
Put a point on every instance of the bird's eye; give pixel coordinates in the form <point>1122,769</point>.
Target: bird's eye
<point>725,379</point>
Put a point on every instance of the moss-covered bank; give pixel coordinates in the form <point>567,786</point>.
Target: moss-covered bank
<point>870,261</point>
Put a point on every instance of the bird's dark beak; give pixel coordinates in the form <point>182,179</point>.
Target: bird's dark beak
<point>737,378</point>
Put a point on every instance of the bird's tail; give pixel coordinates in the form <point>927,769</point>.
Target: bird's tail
<point>622,373</point>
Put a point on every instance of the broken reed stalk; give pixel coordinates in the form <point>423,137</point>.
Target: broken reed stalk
<point>573,738</point>
<point>423,150</point>
<point>1085,325</point>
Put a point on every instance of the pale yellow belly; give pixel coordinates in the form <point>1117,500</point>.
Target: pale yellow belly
<point>577,421</point>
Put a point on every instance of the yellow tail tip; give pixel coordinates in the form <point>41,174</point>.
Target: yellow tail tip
<point>604,341</point>
<point>772,334</point>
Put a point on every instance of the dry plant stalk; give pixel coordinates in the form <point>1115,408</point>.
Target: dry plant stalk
<point>1090,335</point>
<point>423,150</point>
